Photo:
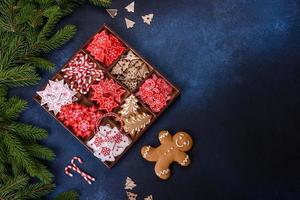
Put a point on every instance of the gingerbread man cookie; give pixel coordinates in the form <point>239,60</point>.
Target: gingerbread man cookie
<point>172,149</point>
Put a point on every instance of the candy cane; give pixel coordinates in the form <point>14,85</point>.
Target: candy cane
<point>75,168</point>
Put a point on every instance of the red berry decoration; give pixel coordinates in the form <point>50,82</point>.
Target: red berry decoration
<point>108,94</point>
<point>80,119</point>
<point>82,72</point>
<point>105,47</point>
<point>155,92</point>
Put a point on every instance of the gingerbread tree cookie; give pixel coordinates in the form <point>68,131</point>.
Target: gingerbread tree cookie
<point>172,149</point>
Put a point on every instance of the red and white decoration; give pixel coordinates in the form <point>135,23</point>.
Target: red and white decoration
<point>105,47</point>
<point>155,92</point>
<point>82,72</point>
<point>108,143</point>
<point>88,178</point>
<point>80,119</point>
<point>55,95</point>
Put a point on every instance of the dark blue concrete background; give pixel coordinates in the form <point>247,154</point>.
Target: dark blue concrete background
<point>238,65</point>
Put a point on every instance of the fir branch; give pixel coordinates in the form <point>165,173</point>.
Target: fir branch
<point>27,132</point>
<point>40,152</point>
<point>18,76</point>
<point>10,187</point>
<point>41,63</point>
<point>71,195</point>
<point>59,38</point>
<point>10,110</point>
<point>104,3</point>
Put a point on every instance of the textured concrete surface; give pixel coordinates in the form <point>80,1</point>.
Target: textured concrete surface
<point>238,65</point>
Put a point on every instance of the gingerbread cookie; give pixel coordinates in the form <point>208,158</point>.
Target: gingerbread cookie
<point>172,149</point>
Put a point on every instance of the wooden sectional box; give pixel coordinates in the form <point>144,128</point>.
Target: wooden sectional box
<point>145,92</point>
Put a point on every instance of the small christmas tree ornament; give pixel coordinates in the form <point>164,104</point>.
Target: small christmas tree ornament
<point>112,12</point>
<point>148,18</point>
<point>129,23</point>
<point>130,184</point>
<point>134,124</point>
<point>130,7</point>
<point>148,197</point>
<point>130,106</point>
<point>131,196</point>
<point>55,95</point>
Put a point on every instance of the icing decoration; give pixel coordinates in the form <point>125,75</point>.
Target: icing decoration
<point>148,18</point>
<point>112,12</point>
<point>55,95</point>
<point>131,70</point>
<point>81,72</point>
<point>105,47</point>
<point>130,7</point>
<point>80,119</point>
<point>107,93</point>
<point>130,184</point>
<point>88,178</point>
<point>155,92</point>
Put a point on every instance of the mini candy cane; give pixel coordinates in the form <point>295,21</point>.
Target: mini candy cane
<point>75,168</point>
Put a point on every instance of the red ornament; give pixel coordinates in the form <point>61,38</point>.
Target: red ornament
<point>80,119</point>
<point>82,72</point>
<point>105,47</point>
<point>155,92</point>
<point>108,94</point>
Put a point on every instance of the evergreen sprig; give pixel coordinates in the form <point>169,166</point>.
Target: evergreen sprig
<point>27,31</point>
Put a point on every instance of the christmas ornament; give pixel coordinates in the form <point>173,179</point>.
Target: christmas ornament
<point>105,47</point>
<point>130,107</point>
<point>55,95</point>
<point>130,184</point>
<point>108,142</point>
<point>155,92</point>
<point>131,70</point>
<point>129,23</point>
<point>75,168</point>
<point>134,124</point>
<point>130,7</point>
<point>112,12</point>
<point>80,119</point>
<point>134,119</point>
<point>131,195</point>
<point>82,72</point>
<point>148,18</point>
<point>148,197</point>
<point>107,93</point>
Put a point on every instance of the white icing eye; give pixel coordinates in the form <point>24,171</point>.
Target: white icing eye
<point>184,143</point>
<point>180,137</point>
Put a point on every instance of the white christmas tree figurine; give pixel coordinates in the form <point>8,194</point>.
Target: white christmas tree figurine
<point>129,23</point>
<point>112,12</point>
<point>130,7</point>
<point>130,184</point>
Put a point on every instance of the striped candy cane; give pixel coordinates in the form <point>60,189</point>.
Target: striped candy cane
<point>75,168</point>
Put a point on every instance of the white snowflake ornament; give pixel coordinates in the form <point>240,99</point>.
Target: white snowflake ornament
<point>148,18</point>
<point>55,95</point>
